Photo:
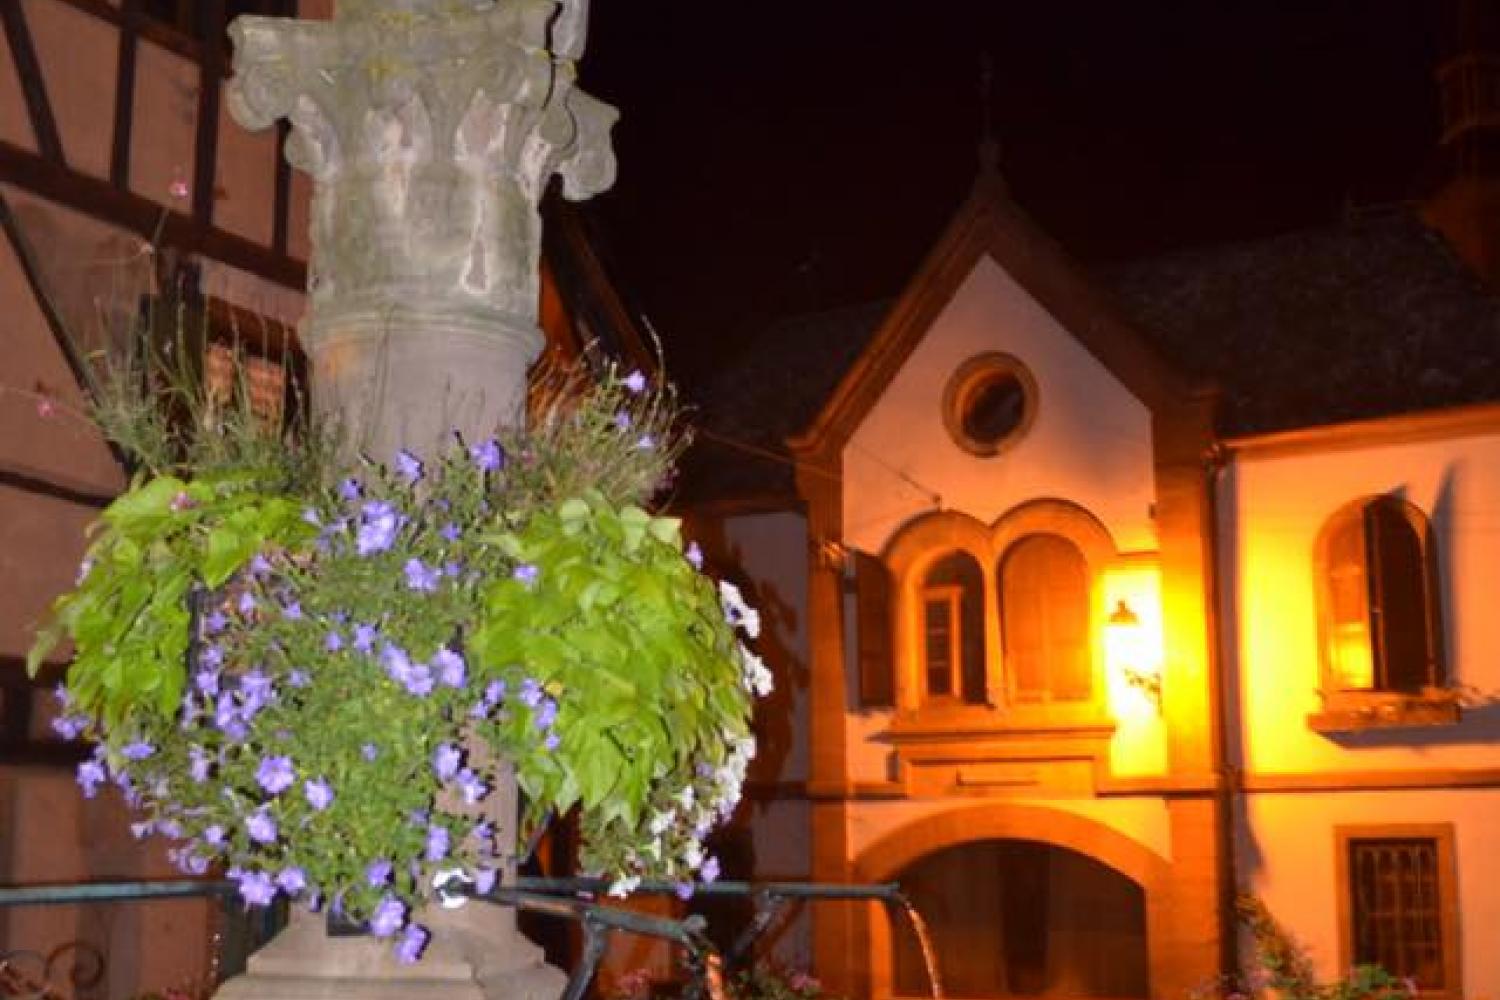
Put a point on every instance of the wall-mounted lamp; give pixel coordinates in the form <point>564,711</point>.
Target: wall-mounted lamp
<point>1126,640</point>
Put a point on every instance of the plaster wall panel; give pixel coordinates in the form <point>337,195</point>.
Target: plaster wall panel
<point>299,217</point>
<point>1090,441</point>
<point>41,405</point>
<point>771,551</point>
<point>15,122</point>
<point>1287,857</point>
<point>165,120</point>
<point>245,184</point>
<point>78,54</point>
<point>1275,509</point>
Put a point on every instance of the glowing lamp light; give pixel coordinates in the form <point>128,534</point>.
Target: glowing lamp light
<point>1129,650</point>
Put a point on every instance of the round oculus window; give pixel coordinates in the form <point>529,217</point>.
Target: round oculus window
<point>989,403</point>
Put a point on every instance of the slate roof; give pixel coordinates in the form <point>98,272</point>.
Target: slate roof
<point>1375,316</point>
<point>1368,318</point>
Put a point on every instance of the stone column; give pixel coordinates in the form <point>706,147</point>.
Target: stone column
<point>430,129</point>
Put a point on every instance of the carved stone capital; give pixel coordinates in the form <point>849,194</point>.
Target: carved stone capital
<point>430,129</point>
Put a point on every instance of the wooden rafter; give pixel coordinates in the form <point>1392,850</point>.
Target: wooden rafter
<point>119,157</point>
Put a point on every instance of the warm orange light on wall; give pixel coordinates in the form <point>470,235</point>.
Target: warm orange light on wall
<point>1132,650</point>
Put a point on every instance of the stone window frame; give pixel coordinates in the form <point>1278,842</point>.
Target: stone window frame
<point>1442,835</point>
<point>973,374</point>
<point>929,538</point>
<point>1344,709</point>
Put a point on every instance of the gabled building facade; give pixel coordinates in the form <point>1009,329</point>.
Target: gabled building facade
<point>1101,601</point>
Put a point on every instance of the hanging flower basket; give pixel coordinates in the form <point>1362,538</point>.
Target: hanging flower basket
<point>315,677</point>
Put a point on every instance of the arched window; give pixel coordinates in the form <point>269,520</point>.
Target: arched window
<point>953,630</point>
<point>1381,622</point>
<point>1044,617</point>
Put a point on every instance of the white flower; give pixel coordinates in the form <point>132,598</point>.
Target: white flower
<point>693,856</point>
<point>736,611</point>
<point>685,797</point>
<point>624,886</point>
<point>659,823</point>
<point>757,678</point>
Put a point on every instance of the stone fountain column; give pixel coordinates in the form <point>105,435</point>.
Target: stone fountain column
<point>430,129</point>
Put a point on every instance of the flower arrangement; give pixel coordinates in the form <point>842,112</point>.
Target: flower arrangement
<point>314,676</point>
<point>1284,969</point>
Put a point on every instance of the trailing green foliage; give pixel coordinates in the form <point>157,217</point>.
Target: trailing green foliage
<point>317,676</point>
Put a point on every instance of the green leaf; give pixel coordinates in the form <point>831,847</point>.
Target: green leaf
<point>142,509</point>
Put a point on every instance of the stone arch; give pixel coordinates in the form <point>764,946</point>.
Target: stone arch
<point>1052,516</point>
<point>893,852</point>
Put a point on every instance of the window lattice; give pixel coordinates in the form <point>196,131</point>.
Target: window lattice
<point>1396,907</point>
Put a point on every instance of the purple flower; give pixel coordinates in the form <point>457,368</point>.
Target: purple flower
<point>246,605</point>
<point>409,948</point>
<point>211,657</point>
<point>488,456</point>
<point>438,842</point>
<point>350,490</point>
<point>140,830</point>
<point>137,750</point>
<point>683,890</point>
<point>388,917</point>
<point>451,532</point>
<point>450,666</point>
<point>170,828</point>
<point>364,638</point>
<point>298,678</point>
<point>333,642</point>
<point>552,742</point>
<point>645,442</point>
<point>291,611</point>
<point>494,692</point>
<point>635,382</point>
<point>310,516</point>
<point>710,870</point>
<point>227,719</point>
<point>395,661</point>
<point>418,680</point>
<point>420,576</point>
<point>261,827</point>
<point>213,835</point>
<point>445,761</point>
<point>546,714</point>
<point>695,555</point>
<point>378,874</point>
<point>198,764</point>
<point>260,565</point>
<point>409,466</point>
<point>207,682</point>
<point>622,421</point>
<point>70,727</point>
<point>291,880</point>
<point>484,880</point>
<point>256,888</point>
<point>483,831</point>
<point>192,863</point>
<point>369,751</point>
<point>319,793</point>
<point>531,692</point>
<point>256,689</point>
<point>526,574</point>
<point>378,525</point>
<point>472,786</point>
<point>215,622</point>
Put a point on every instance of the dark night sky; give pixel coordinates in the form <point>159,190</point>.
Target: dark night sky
<point>785,156</point>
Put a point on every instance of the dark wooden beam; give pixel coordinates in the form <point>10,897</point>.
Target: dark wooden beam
<point>143,216</point>
<point>119,157</point>
<point>33,86</point>
<point>210,83</point>
<point>26,481</point>
<point>282,207</point>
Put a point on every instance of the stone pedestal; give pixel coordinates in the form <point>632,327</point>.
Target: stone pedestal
<point>431,129</point>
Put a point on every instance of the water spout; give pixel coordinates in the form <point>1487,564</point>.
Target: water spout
<point>924,942</point>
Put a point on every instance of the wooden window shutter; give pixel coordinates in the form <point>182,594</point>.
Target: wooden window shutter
<point>1405,654</point>
<point>872,597</point>
<point>1045,616</point>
